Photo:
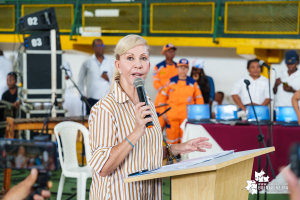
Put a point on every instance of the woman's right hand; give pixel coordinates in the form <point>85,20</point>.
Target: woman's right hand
<point>140,121</point>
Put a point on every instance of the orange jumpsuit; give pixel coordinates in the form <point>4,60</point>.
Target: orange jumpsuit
<point>162,74</point>
<point>178,94</point>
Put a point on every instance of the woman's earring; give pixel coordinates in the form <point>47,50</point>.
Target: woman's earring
<point>120,72</point>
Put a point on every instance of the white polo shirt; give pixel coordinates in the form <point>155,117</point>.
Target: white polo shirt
<point>258,89</point>
<point>90,73</point>
<point>284,98</point>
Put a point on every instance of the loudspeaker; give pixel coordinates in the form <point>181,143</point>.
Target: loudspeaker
<point>39,21</point>
<point>41,41</point>
<point>37,76</point>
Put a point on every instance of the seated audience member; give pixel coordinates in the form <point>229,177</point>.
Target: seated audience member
<point>219,100</point>
<point>206,83</point>
<point>21,160</point>
<point>258,87</point>
<point>11,95</point>
<point>179,92</point>
<point>288,81</point>
<point>295,104</point>
<point>24,189</point>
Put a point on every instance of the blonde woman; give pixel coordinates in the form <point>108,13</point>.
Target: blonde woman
<point>120,142</point>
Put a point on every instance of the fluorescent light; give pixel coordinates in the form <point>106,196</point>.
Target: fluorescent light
<point>88,14</point>
<point>107,12</point>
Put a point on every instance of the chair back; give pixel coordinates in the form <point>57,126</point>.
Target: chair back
<point>68,133</point>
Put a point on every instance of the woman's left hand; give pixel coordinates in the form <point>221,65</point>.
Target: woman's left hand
<point>197,144</point>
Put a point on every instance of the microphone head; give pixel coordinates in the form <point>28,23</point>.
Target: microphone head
<point>138,82</point>
<point>261,62</point>
<point>247,82</point>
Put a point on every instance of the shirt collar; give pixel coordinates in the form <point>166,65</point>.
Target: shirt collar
<point>94,57</point>
<point>251,79</point>
<point>120,94</point>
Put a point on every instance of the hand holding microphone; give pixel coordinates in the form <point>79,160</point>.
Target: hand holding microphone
<point>142,110</point>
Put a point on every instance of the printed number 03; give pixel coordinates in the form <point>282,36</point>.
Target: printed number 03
<point>36,42</point>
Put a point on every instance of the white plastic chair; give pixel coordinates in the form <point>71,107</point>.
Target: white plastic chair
<point>69,164</point>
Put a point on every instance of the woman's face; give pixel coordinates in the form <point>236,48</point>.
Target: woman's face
<point>254,69</point>
<point>134,63</point>
<point>196,73</point>
<point>22,151</point>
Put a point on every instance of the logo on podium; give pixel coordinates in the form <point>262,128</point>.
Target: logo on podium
<point>261,182</point>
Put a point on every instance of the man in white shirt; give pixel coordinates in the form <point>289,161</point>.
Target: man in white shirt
<point>258,87</point>
<point>97,73</point>
<point>5,67</point>
<point>288,81</point>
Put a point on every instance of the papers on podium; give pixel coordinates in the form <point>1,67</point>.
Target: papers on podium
<point>186,163</point>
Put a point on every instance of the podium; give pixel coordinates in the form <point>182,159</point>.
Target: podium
<point>221,178</point>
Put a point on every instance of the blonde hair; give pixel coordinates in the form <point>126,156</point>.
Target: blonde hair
<point>125,44</point>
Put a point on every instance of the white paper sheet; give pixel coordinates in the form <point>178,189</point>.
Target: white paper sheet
<point>187,163</point>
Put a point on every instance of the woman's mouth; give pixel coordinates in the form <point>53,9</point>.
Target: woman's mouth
<point>137,75</point>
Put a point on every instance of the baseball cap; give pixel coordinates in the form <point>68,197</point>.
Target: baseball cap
<point>183,62</point>
<point>167,47</point>
<point>291,57</point>
<point>198,63</point>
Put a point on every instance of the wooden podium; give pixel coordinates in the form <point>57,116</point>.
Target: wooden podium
<point>222,178</point>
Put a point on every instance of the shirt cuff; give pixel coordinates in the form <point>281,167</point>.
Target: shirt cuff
<point>99,158</point>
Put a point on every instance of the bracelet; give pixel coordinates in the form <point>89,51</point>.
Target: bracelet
<point>169,151</point>
<point>129,142</point>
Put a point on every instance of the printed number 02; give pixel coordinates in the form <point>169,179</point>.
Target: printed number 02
<point>32,21</point>
<point>36,42</point>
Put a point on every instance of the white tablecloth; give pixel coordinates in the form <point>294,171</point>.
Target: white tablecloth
<point>191,131</point>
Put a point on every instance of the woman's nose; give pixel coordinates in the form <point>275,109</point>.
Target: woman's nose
<point>138,64</point>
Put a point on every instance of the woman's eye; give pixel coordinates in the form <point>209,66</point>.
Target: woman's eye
<point>144,58</point>
<point>130,58</point>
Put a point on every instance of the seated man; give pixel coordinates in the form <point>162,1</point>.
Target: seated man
<point>219,100</point>
<point>258,87</point>
<point>11,95</point>
<point>180,91</point>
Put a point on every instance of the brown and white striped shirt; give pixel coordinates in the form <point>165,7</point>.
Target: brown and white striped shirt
<point>111,120</point>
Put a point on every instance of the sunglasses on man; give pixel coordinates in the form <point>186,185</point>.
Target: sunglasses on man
<point>100,45</point>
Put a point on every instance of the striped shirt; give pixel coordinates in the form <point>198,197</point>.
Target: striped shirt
<point>110,121</point>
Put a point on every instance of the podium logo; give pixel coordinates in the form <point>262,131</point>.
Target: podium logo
<point>261,182</point>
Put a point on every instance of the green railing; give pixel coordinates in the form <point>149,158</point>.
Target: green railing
<point>202,18</point>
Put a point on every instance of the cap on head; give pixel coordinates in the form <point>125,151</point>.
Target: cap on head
<point>183,62</point>
<point>198,63</point>
<point>167,47</point>
<point>291,57</point>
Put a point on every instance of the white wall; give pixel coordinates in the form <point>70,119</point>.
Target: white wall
<point>222,64</point>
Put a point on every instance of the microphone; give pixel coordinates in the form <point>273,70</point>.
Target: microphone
<point>260,137</point>
<point>247,82</point>
<point>262,63</point>
<point>139,85</point>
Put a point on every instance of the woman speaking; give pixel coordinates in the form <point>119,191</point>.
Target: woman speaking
<point>120,142</point>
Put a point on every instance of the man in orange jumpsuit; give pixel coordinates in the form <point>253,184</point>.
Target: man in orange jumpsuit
<point>180,91</point>
<point>163,71</point>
